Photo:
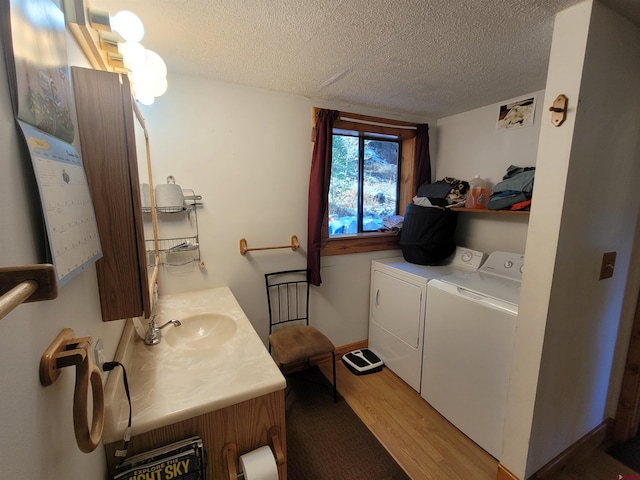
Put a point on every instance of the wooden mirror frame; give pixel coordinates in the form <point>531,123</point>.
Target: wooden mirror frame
<point>154,216</point>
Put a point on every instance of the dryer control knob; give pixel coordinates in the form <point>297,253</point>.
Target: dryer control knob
<point>508,264</point>
<point>467,256</point>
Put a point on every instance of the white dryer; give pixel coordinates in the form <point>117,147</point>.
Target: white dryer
<point>469,336</point>
<point>397,308</point>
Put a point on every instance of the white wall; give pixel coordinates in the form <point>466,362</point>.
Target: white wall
<point>468,144</point>
<point>254,185</point>
<point>569,320</point>
<point>36,438</point>
<point>248,151</point>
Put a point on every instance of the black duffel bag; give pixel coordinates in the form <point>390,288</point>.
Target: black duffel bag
<point>427,234</point>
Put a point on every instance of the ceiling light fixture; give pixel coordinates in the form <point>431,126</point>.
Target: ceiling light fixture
<point>113,43</point>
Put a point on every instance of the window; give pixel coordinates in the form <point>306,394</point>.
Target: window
<point>378,135</point>
<point>364,181</point>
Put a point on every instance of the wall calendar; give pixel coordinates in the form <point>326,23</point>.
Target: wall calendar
<point>66,203</point>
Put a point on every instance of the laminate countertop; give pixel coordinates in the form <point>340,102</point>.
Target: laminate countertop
<point>180,379</point>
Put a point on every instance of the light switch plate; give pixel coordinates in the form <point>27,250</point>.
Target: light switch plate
<point>608,264</point>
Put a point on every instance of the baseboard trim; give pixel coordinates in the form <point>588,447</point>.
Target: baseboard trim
<point>504,474</point>
<point>340,351</point>
<point>584,446</point>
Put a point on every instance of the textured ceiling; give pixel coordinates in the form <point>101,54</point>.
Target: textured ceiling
<point>428,58</point>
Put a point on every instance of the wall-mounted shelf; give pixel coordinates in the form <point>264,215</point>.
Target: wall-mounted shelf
<point>183,249</point>
<point>181,244</point>
<point>184,209</point>
<point>176,251</point>
<point>490,212</point>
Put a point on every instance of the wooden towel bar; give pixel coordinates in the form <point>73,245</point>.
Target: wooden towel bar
<point>30,283</point>
<point>244,249</point>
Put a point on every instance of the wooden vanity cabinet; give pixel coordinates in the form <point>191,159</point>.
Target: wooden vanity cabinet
<point>244,425</point>
<point>107,140</point>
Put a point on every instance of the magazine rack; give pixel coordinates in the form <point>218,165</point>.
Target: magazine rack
<point>182,460</point>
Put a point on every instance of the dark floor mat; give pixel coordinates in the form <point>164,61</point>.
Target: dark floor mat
<point>327,440</point>
<point>627,453</point>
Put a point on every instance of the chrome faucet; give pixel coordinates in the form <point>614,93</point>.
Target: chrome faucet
<point>154,333</point>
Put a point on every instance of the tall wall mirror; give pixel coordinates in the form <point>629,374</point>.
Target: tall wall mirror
<point>143,154</point>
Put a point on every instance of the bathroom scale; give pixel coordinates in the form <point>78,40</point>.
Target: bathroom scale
<point>363,361</point>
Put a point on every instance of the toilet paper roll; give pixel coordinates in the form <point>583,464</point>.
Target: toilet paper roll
<point>259,464</point>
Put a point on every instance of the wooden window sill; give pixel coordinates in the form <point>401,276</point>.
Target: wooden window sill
<point>359,243</point>
<point>377,241</point>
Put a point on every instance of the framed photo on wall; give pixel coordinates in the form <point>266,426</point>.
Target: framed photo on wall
<point>516,114</point>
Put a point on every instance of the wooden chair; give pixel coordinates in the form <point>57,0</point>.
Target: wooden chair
<point>291,338</point>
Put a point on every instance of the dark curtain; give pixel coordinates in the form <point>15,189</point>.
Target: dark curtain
<point>319,189</point>
<point>423,159</point>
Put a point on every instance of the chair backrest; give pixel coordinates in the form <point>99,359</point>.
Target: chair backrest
<point>288,297</point>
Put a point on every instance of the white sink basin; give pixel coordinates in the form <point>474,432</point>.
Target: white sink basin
<point>204,330</point>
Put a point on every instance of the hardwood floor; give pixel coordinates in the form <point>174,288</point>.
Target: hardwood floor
<point>421,440</point>
<point>425,444</point>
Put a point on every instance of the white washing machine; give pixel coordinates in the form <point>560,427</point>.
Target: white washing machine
<point>397,308</point>
<point>469,335</point>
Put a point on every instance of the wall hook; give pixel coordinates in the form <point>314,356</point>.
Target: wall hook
<point>559,110</point>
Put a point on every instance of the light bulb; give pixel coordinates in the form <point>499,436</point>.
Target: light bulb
<point>144,98</point>
<point>156,65</point>
<point>141,77</point>
<point>158,86</point>
<point>133,53</point>
<point>127,25</point>
<point>145,83</point>
<point>151,77</point>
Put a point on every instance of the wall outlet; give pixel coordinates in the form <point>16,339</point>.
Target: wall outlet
<point>608,264</point>
<point>98,354</point>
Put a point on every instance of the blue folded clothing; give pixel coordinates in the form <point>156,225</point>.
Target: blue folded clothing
<point>503,200</point>
<point>517,179</point>
<point>516,186</point>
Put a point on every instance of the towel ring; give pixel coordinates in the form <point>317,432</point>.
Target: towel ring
<point>88,439</point>
<point>65,351</point>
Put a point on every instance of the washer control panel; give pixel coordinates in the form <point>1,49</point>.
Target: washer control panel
<point>465,257</point>
<point>504,264</point>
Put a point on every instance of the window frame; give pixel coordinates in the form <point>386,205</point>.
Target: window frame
<point>362,138</point>
<point>375,241</point>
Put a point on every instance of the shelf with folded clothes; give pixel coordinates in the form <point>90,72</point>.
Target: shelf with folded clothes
<point>511,196</point>
<point>486,210</point>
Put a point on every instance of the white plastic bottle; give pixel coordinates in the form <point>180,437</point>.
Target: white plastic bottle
<point>479,193</point>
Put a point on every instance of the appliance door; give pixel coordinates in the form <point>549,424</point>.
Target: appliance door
<point>468,347</point>
<point>397,323</point>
